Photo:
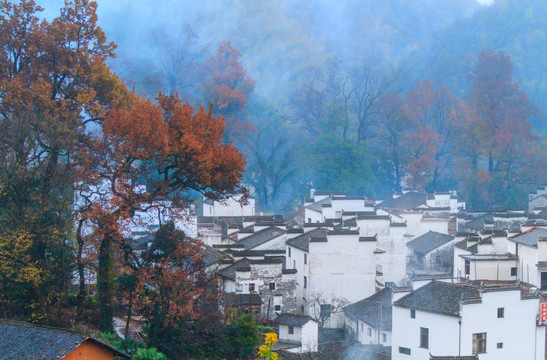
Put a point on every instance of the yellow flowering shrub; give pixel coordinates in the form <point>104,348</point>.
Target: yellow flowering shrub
<point>265,351</point>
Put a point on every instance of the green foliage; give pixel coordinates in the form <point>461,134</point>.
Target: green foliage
<point>242,337</point>
<point>338,165</point>
<point>128,345</point>
<point>148,354</point>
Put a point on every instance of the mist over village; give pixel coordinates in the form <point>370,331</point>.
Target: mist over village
<point>273,179</point>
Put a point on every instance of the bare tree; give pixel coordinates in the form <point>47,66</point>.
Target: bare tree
<point>369,83</point>
<point>322,307</point>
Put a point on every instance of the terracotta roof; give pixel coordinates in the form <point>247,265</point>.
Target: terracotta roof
<point>27,341</point>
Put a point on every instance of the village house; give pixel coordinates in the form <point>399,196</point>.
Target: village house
<point>431,250</point>
<point>369,321</point>
<point>28,341</point>
<point>531,249</point>
<point>537,200</point>
<point>260,285</point>
<point>462,319</point>
<point>297,333</point>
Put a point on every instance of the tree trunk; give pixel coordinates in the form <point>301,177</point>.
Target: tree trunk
<point>129,308</point>
<point>104,285</point>
<point>81,272</point>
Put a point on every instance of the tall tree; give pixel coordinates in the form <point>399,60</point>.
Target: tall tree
<point>53,81</point>
<point>227,87</point>
<point>509,150</point>
<point>146,157</point>
<point>433,114</point>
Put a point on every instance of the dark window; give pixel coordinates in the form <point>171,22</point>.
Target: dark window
<point>438,259</point>
<point>251,287</point>
<point>291,330</point>
<point>412,314</point>
<point>467,267</point>
<point>544,281</point>
<point>501,312</point>
<point>404,350</point>
<point>289,252</point>
<point>369,331</point>
<point>305,258</point>
<point>424,338</point>
<point>513,271</point>
<point>305,282</point>
<point>278,308</point>
<point>479,343</point>
<point>272,286</point>
<point>384,338</point>
<point>499,345</point>
<point>390,284</point>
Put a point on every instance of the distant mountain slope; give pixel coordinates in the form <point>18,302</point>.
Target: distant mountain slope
<point>518,27</point>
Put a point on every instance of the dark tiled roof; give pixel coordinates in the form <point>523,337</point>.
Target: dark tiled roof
<point>428,242</point>
<point>439,297</point>
<point>260,237</point>
<point>229,272</point>
<point>368,310</point>
<point>302,242</point>
<point>318,206</point>
<point>292,319</point>
<point>530,237</point>
<point>236,300</point>
<point>26,341</point>
<point>408,201</point>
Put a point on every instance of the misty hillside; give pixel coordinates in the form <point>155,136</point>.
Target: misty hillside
<point>279,39</point>
<point>516,26</point>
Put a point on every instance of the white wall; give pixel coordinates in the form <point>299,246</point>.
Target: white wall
<point>310,336</point>
<point>476,318</point>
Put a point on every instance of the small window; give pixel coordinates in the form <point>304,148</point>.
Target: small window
<point>467,267</point>
<point>291,330</point>
<point>251,287</point>
<point>305,282</point>
<point>499,345</point>
<point>479,343</point>
<point>289,252</point>
<point>362,327</point>
<point>513,271</point>
<point>412,314</point>
<point>369,332</point>
<point>404,350</point>
<point>501,312</point>
<point>384,337</point>
<point>424,338</point>
<point>278,308</point>
<point>390,284</point>
<point>294,264</point>
<point>305,258</point>
<point>272,286</point>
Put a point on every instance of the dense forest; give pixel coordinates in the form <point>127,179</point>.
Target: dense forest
<point>225,97</point>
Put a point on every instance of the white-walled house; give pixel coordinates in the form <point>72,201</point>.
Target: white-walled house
<point>531,249</point>
<point>431,250</point>
<point>369,321</point>
<point>228,207</point>
<point>446,319</point>
<point>297,333</point>
<point>266,278</point>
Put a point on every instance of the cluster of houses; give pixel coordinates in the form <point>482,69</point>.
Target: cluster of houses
<point>416,276</point>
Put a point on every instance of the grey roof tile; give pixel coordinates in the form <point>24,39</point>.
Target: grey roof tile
<point>428,242</point>
<point>439,297</point>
